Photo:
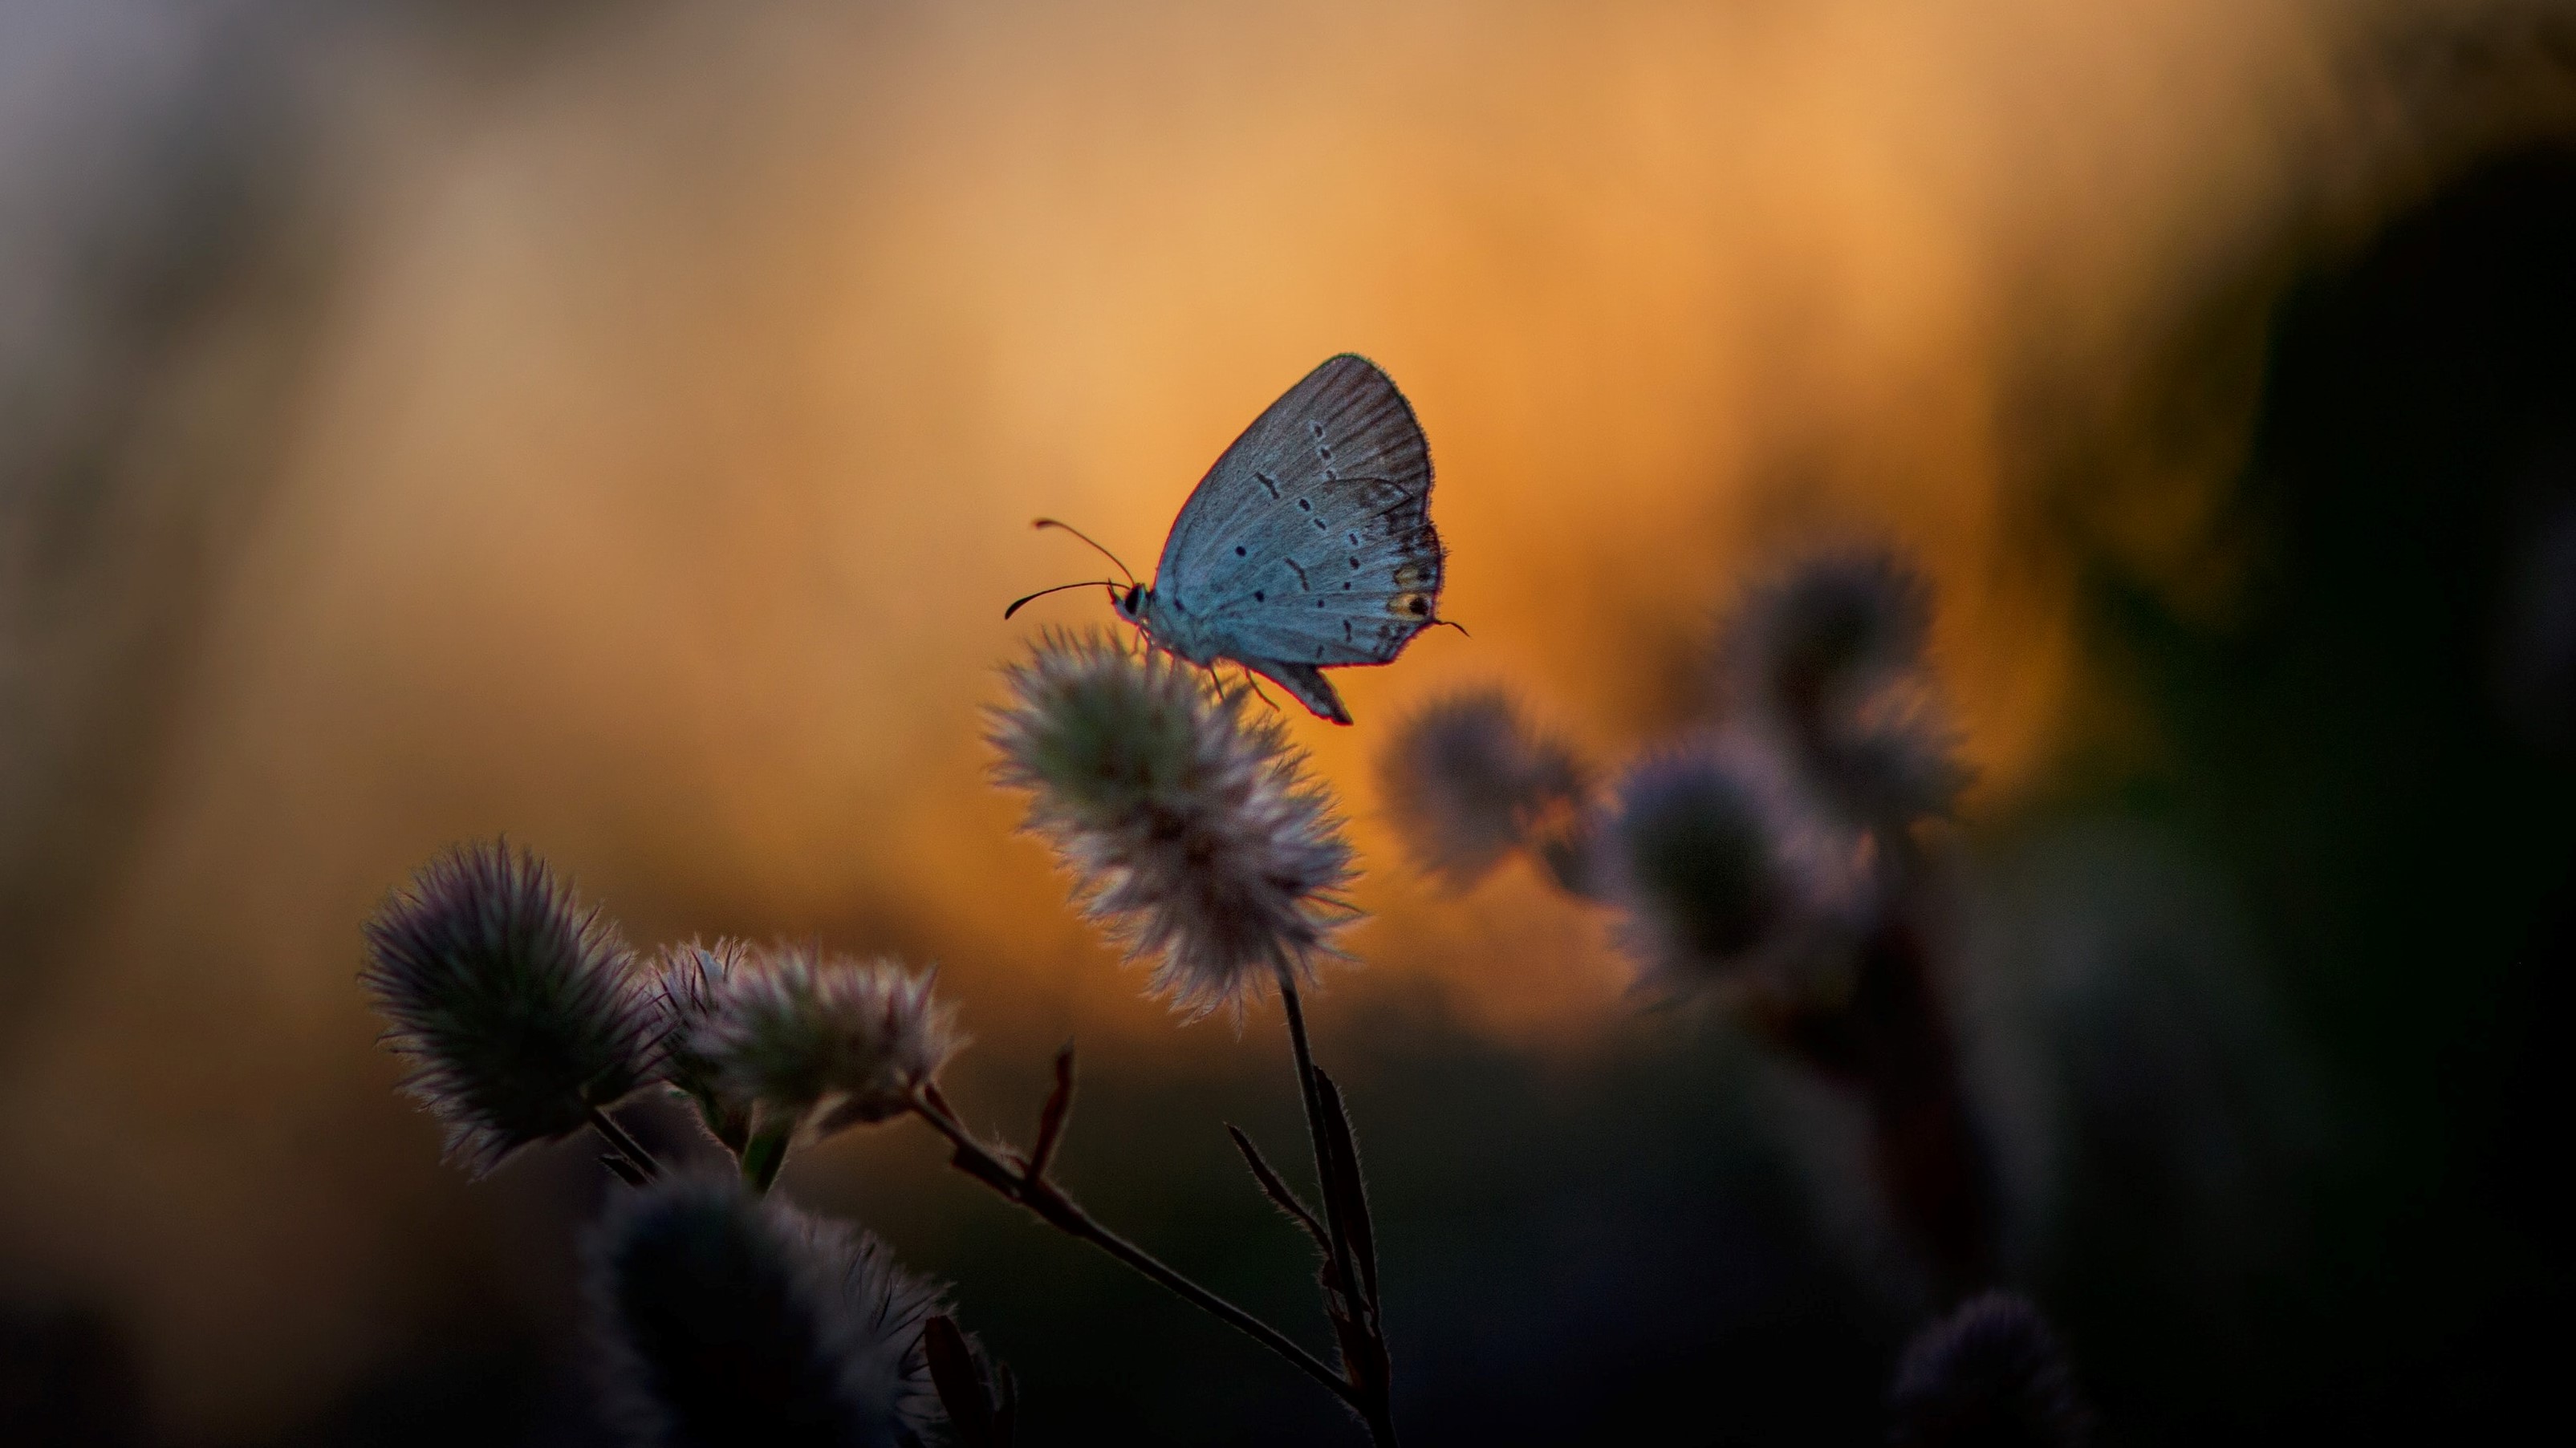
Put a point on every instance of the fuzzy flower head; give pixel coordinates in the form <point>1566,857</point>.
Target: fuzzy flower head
<point>1990,1373</point>
<point>1830,661</point>
<point>1468,780</point>
<point>1724,880</point>
<point>721,1317</point>
<point>688,988</point>
<point>516,1003</point>
<point>824,1041</point>
<point>1190,826</point>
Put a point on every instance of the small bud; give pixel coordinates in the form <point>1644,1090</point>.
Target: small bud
<point>1829,661</point>
<point>1192,832</point>
<point>724,1318</point>
<point>517,1003</point>
<point>1468,780</point>
<point>1990,1375</point>
<point>824,1041</point>
<point>1724,879</point>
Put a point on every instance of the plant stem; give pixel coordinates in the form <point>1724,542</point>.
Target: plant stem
<point>1367,1395</point>
<point>1043,1197</point>
<point>763,1155</point>
<point>623,1144</point>
<point>1306,1092</point>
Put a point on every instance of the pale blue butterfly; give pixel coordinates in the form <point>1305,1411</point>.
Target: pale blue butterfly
<point>1308,546</point>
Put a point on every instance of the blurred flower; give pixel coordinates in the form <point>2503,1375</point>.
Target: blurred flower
<point>827,1042</point>
<point>726,1318</point>
<point>1191,828</point>
<point>1468,780</point>
<point>1722,877</point>
<point>1837,619</point>
<point>1828,661</point>
<point>691,984</point>
<point>1990,1373</point>
<point>517,1003</point>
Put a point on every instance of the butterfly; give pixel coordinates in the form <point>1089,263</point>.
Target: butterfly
<point>1308,546</point>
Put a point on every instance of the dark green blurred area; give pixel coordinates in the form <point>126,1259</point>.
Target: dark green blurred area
<point>2375,753</point>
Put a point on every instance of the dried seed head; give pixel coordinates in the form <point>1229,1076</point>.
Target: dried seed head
<point>1193,834</point>
<point>1468,780</point>
<point>518,1004</point>
<point>1723,877</point>
<point>1829,661</point>
<point>1990,1373</point>
<point>724,1318</point>
<point>821,1040</point>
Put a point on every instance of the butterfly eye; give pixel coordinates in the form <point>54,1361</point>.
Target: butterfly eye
<point>1135,591</point>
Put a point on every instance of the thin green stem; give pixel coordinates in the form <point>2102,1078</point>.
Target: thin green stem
<point>1012,1180</point>
<point>763,1155</point>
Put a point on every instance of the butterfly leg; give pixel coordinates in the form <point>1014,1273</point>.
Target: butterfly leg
<point>1216,681</point>
<point>1254,685</point>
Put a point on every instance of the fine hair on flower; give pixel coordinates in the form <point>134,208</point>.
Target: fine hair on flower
<point>1194,834</point>
<point>518,1006</point>
<point>790,1035</point>
<point>1992,1371</point>
<point>720,1317</point>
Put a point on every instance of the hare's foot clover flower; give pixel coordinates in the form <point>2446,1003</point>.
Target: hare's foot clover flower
<point>1991,1372</point>
<point>727,1318</point>
<point>790,1036</point>
<point>1190,826</point>
<point>1197,839</point>
<point>517,1005</point>
<point>688,989</point>
<point>1723,880</point>
<point>1468,780</point>
<point>1827,662</point>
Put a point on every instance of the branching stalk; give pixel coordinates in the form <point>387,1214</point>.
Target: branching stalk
<point>1356,1320</point>
<point>626,1146</point>
<point>1010,1178</point>
<point>1316,1135</point>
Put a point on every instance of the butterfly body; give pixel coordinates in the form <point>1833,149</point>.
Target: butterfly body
<point>1309,545</point>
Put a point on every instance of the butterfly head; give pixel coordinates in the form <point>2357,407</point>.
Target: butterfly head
<point>1131,604</point>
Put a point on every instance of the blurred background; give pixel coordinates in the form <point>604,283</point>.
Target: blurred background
<point>617,425</point>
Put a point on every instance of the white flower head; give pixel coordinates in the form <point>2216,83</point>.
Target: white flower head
<point>722,1317</point>
<point>824,1041</point>
<point>1193,833</point>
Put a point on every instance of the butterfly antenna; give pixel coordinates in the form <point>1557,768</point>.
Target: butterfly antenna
<point>1109,583</point>
<point>1087,538</point>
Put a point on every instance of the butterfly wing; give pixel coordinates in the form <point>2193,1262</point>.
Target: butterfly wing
<point>1309,685</point>
<point>1310,542</point>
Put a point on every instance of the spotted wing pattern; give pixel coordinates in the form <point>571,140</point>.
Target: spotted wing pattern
<point>1310,542</point>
